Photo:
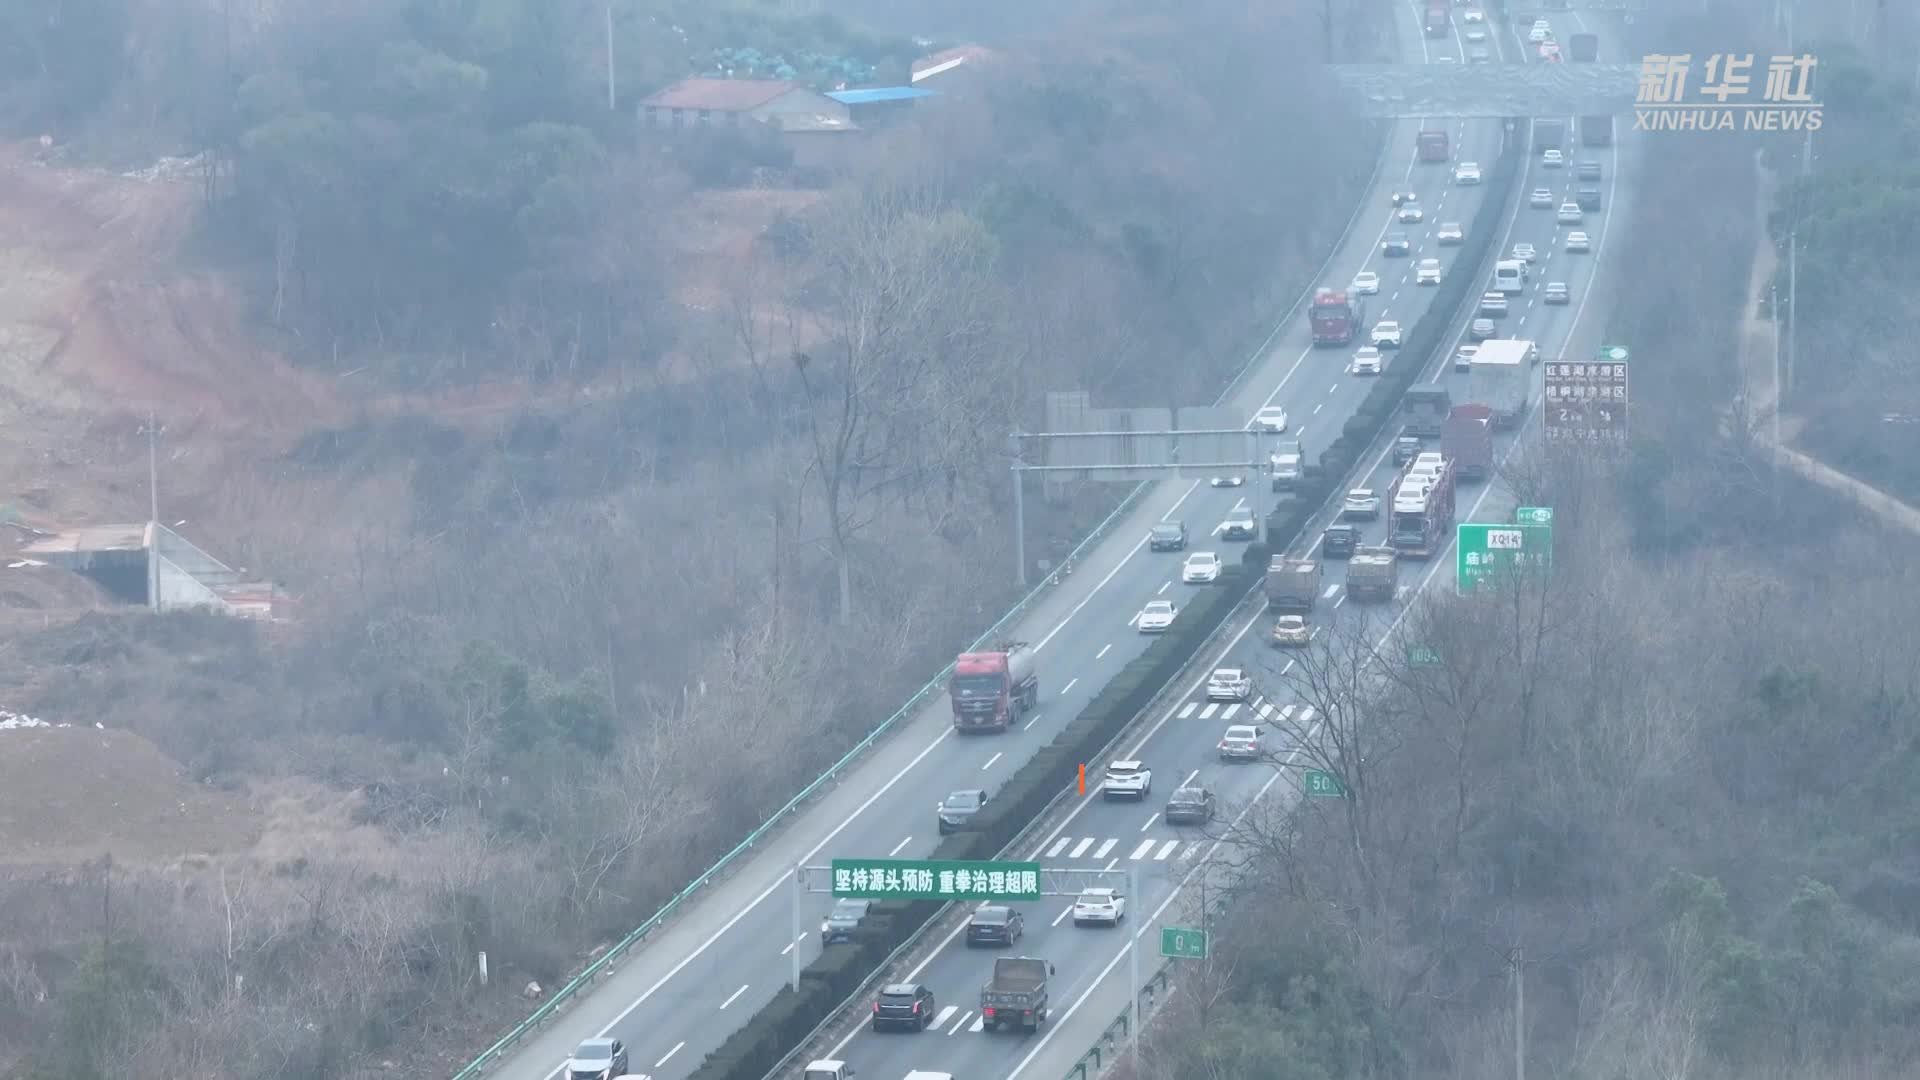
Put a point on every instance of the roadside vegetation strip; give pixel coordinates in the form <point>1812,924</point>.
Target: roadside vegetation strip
<point>608,959</point>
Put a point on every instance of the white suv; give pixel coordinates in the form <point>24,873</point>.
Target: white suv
<point>1127,780</point>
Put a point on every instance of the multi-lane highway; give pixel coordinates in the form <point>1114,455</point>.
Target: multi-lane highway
<point>1091,985</point>
<point>678,997</point>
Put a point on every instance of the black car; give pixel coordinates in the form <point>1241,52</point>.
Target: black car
<point>1404,196</point>
<point>1168,536</point>
<point>1587,198</point>
<point>1190,806</point>
<point>1588,171</point>
<point>1396,243</point>
<point>903,1005</point>
<point>1405,449</point>
<point>995,924</point>
<point>1339,541</point>
<point>958,809</point>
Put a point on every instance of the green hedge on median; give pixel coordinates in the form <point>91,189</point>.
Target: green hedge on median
<point>753,1051</point>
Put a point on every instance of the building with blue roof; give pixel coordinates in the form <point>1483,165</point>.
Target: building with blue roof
<point>873,104</point>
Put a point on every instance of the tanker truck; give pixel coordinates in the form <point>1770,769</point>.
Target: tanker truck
<point>992,691</point>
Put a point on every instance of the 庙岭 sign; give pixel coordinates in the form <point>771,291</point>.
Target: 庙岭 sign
<point>933,879</point>
<point>1484,550</point>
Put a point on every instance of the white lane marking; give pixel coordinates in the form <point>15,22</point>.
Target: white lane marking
<point>1327,593</point>
<point>1188,709</point>
<point>1070,682</point>
<point>964,1017</point>
<point>1334,389</point>
<point>1028,726</point>
<point>1148,824</point>
<point>1206,713</point>
<point>1105,847</point>
<point>1227,713</point>
<point>792,943</point>
<point>1166,849</point>
<point>1064,912</point>
<point>1288,668</point>
<point>1110,865</point>
<point>1340,601</point>
<point>731,998</point>
<point>1266,712</point>
<point>1145,846</point>
<point>1081,847</point>
<point>1059,847</point>
<point>940,1019</point>
<point>1189,778</point>
<point>978,1024</point>
<point>1317,408</point>
<point>1103,650</point>
<point>1164,586</point>
<point>991,760</point>
<point>1095,591</point>
<point>898,846</point>
<point>669,1054</point>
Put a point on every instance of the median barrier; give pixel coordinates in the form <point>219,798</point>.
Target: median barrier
<point>836,976</point>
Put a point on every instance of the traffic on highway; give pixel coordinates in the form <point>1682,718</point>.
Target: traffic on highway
<point>678,998</point>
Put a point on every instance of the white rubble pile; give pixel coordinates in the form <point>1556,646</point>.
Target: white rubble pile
<point>10,720</point>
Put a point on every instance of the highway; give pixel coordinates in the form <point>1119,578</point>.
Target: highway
<point>728,951</point>
<point>1091,984</point>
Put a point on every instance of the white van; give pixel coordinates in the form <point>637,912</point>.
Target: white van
<point>1510,276</point>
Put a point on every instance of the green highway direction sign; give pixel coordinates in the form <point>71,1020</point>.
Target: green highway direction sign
<point>934,879</point>
<point>1481,551</point>
<point>1422,656</point>
<point>1534,515</point>
<point>1323,783</point>
<point>1183,943</point>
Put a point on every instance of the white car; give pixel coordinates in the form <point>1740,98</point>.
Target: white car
<point>1570,214</point>
<point>1126,780</point>
<point>1450,233</point>
<point>1366,283</point>
<point>1156,616</point>
<point>1229,684</point>
<point>1473,15</point>
<point>1553,159</point>
<point>1366,361</point>
<point>1427,272</point>
<point>1557,293</point>
<point>1361,503</point>
<point>1201,568</point>
<point>1290,631</point>
<point>1463,357</point>
<point>1386,334</point>
<point>1578,243</point>
<point>1409,214</point>
<point>1273,418</point>
<point>1524,252</point>
<point>1467,172</point>
<point>1099,906</point>
<point>1242,742</point>
<point>1476,34</point>
<point>1540,199</point>
<point>1540,32</point>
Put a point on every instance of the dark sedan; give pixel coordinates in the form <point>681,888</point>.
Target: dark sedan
<point>995,924</point>
<point>903,1005</point>
<point>1190,806</point>
<point>959,808</point>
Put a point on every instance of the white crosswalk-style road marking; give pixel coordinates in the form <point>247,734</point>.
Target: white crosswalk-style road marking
<point>1260,707</point>
<point>1155,848</point>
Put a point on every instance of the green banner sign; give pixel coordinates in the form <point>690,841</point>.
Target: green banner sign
<point>932,879</point>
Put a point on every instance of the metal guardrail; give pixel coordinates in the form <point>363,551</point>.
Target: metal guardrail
<point>1112,1042</point>
<point>608,960</point>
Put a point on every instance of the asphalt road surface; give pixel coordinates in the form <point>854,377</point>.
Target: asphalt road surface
<point>682,993</point>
